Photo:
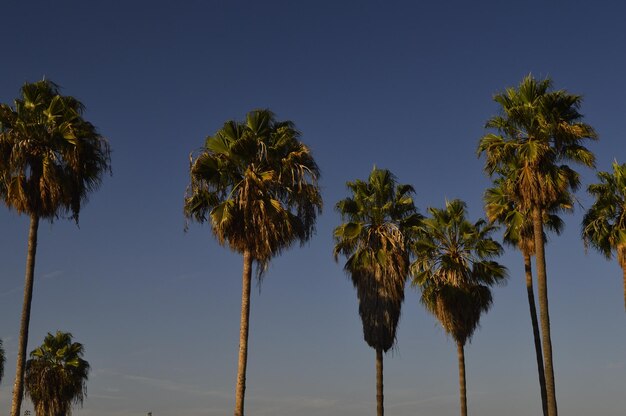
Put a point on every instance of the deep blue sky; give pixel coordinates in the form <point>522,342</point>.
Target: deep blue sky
<point>402,85</point>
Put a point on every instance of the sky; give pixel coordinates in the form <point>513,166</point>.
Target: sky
<point>401,85</point>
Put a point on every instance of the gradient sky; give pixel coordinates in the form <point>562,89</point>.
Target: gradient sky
<point>404,85</point>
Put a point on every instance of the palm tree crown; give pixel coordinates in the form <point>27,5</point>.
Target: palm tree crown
<point>257,183</point>
<point>604,224</point>
<point>501,208</point>
<point>50,157</point>
<point>537,131</point>
<point>377,218</point>
<point>452,250</point>
<point>56,375</point>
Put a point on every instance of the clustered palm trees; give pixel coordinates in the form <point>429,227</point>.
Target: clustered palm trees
<point>256,183</point>
<point>51,158</point>
<point>537,133</point>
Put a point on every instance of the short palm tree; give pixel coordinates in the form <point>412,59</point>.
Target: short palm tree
<point>56,375</point>
<point>51,159</point>
<point>604,225</point>
<point>501,208</point>
<point>2,360</point>
<point>378,218</point>
<point>538,132</point>
<point>257,185</point>
<point>454,269</point>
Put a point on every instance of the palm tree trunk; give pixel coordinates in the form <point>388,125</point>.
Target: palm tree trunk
<point>18,387</point>
<point>243,333</point>
<point>460,350</point>
<point>544,314</point>
<point>380,409</point>
<point>536,336</point>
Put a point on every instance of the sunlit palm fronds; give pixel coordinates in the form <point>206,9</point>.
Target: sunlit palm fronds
<point>51,158</point>
<point>538,132</point>
<point>502,207</point>
<point>257,184</point>
<point>452,250</point>
<point>604,224</point>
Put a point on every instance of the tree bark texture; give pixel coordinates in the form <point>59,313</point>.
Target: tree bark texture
<point>536,335</point>
<point>544,313</point>
<point>243,334</point>
<point>462,381</point>
<point>380,409</point>
<point>18,386</point>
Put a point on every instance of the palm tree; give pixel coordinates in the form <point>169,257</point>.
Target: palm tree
<point>454,269</point>
<point>50,160</point>
<point>604,225</point>
<point>56,375</point>
<point>500,207</point>
<point>2,360</point>
<point>538,132</point>
<point>378,217</point>
<point>257,184</point>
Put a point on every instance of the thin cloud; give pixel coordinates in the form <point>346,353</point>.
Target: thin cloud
<point>11,291</point>
<point>166,384</point>
<point>52,275</point>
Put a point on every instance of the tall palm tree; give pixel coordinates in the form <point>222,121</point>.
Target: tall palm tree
<point>51,158</point>
<point>537,133</point>
<point>500,207</point>
<point>604,225</point>
<point>454,269</point>
<point>56,375</point>
<point>378,218</point>
<point>257,185</point>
